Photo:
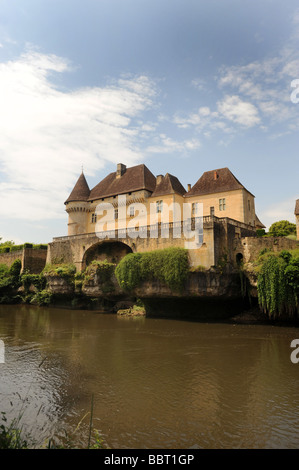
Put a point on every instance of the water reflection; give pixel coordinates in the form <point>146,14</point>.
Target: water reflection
<point>156,383</point>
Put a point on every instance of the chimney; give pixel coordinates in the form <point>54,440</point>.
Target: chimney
<point>159,179</point>
<point>215,175</point>
<point>121,169</point>
<point>189,187</point>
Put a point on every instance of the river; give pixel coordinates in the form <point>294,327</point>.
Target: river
<point>155,383</point>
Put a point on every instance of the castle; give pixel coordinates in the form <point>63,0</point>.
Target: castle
<point>224,206</point>
<point>221,194</point>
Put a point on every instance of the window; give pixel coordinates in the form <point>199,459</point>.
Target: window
<point>93,218</point>
<point>222,204</point>
<point>115,214</point>
<point>159,206</point>
<point>194,209</point>
<point>132,211</point>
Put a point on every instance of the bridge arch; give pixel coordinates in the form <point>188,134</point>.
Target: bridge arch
<point>111,251</point>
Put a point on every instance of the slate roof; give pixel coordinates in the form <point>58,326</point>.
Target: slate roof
<point>134,179</point>
<point>207,184</point>
<point>297,207</point>
<point>81,190</point>
<point>258,223</point>
<point>169,185</point>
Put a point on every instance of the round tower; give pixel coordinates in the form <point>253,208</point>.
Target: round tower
<point>77,207</point>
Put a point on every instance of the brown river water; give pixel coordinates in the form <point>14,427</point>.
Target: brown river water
<point>155,383</point>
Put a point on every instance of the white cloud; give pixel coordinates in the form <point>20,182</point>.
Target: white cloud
<point>238,111</point>
<point>164,144</point>
<point>47,134</point>
<point>199,83</point>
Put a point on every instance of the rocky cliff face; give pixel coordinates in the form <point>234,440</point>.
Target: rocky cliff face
<point>97,287</point>
<point>206,295</point>
<point>199,284</point>
<point>59,285</point>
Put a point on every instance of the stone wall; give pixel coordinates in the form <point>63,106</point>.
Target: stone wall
<point>9,258</point>
<point>250,247</point>
<point>33,260</point>
<point>218,239</point>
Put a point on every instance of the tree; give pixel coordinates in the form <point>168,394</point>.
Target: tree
<point>282,229</point>
<point>7,243</point>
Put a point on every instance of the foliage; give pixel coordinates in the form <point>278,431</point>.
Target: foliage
<point>170,266</point>
<point>198,268</point>
<point>222,262</point>
<point>277,285</point>
<point>4,249</point>
<point>37,280</point>
<point>260,232</point>
<point>15,270</point>
<point>65,270</point>
<point>10,246</point>
<point>103,271</point>
<point>6,243</point>
<point>282,229</point>
<point>11,436</point>
<point>10,277</point>
<point>4,270</point>
<point>43,297</point>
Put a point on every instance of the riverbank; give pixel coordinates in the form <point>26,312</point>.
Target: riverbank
<point>165,286</point>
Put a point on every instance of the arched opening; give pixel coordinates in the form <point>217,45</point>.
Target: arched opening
<point>239,259</point>
<point>112,252</point>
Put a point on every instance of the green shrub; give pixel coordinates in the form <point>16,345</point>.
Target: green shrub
<point>4,249</point>
<point>170,266</point>
<point>16,248</point>
<point>65,270</point>
<point>4,270</point>
<point>38,280</point>
<point>43,297</point>
<point>14,272</point>
<point>277,286</point>
<point>282,228</point>
<point>260,232</point>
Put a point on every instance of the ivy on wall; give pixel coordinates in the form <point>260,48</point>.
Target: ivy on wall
<point>169,266</point>
<point>278,285</point>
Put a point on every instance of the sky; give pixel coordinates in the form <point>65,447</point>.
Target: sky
<point>183,86</point>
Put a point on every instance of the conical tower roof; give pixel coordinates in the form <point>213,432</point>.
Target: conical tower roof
<point>81,190</point>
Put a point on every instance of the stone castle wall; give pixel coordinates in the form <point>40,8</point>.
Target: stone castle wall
<point>218,242</point>
<point>250,247</point>
<point>33,260</point>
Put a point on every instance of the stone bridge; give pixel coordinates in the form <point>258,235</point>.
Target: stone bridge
<point>212,237</point>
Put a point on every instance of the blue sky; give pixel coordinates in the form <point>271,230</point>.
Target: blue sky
<point>184,86</point>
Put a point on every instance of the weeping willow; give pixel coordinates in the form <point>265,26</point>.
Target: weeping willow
<point>277,297</point>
